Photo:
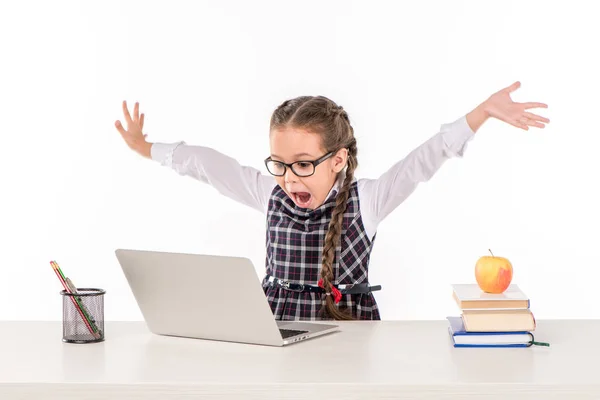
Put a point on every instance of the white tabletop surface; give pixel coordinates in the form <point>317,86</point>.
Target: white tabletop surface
<point>385,359</point>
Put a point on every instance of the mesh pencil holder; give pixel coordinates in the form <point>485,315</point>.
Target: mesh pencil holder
<point>83,316</point>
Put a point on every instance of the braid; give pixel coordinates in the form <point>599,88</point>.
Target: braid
<point>334,233</point>
<point>335,110</point>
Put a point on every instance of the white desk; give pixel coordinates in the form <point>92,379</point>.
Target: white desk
<point>367,360</point>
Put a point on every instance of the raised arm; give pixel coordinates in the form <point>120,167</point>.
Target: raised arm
<point>244,184</point>
<point>379,197</point>
<point>241,183</point>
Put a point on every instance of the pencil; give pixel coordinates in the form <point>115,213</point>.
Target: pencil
<point>76,303</point>
<point>70,288</point>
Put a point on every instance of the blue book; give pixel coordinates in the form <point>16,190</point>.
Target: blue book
<point>462,338</point>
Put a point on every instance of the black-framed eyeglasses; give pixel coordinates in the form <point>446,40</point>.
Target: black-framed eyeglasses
<point>300,168</point>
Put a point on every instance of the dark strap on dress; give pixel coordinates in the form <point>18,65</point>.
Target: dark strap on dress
<point>356,288</point>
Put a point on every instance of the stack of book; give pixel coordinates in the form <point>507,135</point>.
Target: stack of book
<point>491,320</point>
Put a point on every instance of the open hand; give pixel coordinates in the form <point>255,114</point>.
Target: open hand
<point>133,135</point>
<point>500,106</point>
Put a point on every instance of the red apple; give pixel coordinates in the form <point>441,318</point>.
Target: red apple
<point>493,274</point>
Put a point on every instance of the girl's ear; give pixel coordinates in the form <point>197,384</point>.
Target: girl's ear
<point>339,160</point>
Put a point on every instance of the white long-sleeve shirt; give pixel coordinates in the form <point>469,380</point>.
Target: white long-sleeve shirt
<point>378,197</point>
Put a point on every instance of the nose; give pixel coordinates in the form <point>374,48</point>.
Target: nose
<point>290,176</point>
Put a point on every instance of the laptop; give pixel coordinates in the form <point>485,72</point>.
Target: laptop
<point>208,297</point>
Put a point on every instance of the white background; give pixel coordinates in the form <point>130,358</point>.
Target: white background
<point>211,73</point>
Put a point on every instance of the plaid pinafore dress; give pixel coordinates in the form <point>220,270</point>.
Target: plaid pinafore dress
<point>294,242</point>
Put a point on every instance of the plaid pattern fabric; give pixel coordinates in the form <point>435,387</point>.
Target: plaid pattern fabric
<point>294,241</point>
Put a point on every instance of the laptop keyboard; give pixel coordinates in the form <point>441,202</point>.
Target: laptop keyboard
<point>286,333</point>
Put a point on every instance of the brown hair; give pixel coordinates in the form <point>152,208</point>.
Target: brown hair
<point>323,116</point>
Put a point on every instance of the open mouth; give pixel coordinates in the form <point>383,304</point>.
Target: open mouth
<point>302,199</point>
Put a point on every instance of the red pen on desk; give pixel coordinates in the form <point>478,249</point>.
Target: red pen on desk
<point>75,302</point>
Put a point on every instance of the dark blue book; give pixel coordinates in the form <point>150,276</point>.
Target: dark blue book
<point>462,338</point>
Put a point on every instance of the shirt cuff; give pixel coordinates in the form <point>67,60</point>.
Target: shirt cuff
<point>163,152</point>
<point>456,135</point>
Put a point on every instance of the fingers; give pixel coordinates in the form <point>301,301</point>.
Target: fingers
<point>126,113</point>
<point>136,112</point>
<point>141,121</point>
<point>520,122</point>
<point>120,128</point>
<point>524,122</point>
<point>535,117</point>
<point>513,87</point>
<point>525,106</point>
<point>534,123</point>
<point>529,119</point>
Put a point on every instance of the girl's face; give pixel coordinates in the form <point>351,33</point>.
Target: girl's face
<point>309,185</point>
